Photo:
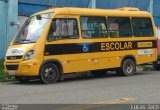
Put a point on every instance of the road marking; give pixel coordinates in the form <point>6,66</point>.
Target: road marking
<point>97,104</point>
<point>116,101</point>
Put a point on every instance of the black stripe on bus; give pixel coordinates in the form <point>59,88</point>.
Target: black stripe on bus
<point>77,48</point>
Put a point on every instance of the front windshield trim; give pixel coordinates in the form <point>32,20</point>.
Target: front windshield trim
<point>24,43</point>
<point>32,29</point>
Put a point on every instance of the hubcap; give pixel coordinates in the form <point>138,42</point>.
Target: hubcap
<point>128,68</point>
<point>49,74</point>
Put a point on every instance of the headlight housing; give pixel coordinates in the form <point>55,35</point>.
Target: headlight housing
<point>29,55</point>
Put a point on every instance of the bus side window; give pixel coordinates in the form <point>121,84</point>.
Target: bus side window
<point>142,27</point>
<point>93,27</point>
<point>119,27</point>
<point>63,28</point>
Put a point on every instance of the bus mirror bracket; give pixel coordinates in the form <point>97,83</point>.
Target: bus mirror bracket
<point>38,17</point>
<point>12,23</point>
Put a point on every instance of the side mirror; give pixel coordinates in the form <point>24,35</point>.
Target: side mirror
<point>38,17</point>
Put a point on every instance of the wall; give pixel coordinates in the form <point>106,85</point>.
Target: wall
<point>8,13</point>
<point>29,7</point>
<point>3,20</point>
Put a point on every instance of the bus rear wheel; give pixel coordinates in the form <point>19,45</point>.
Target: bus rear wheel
<point>49,73</point>
<point>156,65</point>
<point>128,68</point>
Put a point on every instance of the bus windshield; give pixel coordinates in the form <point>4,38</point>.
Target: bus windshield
<point>32,29</point>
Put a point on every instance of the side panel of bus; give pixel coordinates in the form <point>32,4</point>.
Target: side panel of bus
<point>78,54</point>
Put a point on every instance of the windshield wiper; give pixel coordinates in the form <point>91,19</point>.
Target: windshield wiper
<point>25,40</point>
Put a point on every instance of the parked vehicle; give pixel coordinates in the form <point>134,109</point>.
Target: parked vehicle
<point>58,41</point>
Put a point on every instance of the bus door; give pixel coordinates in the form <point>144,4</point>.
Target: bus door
<point>63,42</point>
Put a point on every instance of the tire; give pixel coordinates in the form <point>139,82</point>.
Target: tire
<point>156,66</point>
<point>49,73</point>
<point>128,68</point>
<point>99,73</point>
<point>22,79</point>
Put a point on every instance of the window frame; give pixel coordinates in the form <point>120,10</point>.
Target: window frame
<point>93,30</point>
<point>119,30</point>
<point>151,25</point>
<point>78,35</point>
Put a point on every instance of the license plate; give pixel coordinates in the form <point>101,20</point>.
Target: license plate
<point>11,73</point>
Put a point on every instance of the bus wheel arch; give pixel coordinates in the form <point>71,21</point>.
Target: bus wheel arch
<point>56,64</point>
<point>128,57</point>
<point>127,66</point>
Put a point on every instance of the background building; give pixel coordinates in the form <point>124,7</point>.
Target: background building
<point>25,8</point>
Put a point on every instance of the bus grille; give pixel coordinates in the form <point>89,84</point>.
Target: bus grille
<point>12,67</point>
<point>14,57</point>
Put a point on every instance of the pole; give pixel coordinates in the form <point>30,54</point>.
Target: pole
<point>3,25</point>
<point>151,7</point>
<point>92,4</point>
<point>12,17</point>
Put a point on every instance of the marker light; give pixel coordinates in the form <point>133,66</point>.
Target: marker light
<point>29,55</point>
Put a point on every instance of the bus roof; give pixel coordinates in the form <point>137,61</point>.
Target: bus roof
<point>125,11</point>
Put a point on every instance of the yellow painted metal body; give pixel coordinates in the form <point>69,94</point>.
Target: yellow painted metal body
<point>82,61</point>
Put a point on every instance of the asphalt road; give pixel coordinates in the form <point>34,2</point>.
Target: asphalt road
<point>142,88</point>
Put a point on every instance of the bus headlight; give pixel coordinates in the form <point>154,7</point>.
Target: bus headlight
<point>29,55</point>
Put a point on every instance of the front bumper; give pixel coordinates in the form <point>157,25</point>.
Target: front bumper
<point>25,68</point>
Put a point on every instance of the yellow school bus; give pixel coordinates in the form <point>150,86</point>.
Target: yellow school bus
<point>58,41</point>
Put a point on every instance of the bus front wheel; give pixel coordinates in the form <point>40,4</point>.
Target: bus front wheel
<point>128,68</point>
<point>49,73</point>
